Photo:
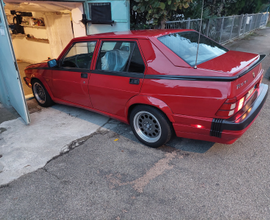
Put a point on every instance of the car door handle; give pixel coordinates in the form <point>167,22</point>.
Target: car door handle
<point>134,81</point>
<point>84,75</point>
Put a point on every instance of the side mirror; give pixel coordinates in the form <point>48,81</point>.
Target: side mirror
<point>52,63</point>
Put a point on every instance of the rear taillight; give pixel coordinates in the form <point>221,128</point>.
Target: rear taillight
<point>231,106</point>
<point>240,104</point>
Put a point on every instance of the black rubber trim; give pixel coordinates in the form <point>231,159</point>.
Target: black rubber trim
<point>231,125</point>
<point>125,74</point>
<point>112,73</point>
<point>191,78</point>
<point>206,78</point>
<point>63,69</point>
<point>216,127</point>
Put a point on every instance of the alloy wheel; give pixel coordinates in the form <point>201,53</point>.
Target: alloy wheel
<point>39,92</point>
<point>147,126</point>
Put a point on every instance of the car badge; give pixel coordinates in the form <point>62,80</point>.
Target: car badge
<point>253,74</point>
<point>241,84</point>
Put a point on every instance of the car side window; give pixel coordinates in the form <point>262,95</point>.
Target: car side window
<point>136,63</point>
<point>120,56</point>
<point>79,56</point>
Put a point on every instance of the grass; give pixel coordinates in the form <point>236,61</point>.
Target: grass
<point>249,35</point>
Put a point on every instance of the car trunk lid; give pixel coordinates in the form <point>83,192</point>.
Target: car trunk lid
<point>231,63</point>
<point>242,69</point>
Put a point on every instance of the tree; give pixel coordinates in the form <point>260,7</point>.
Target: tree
<point>157,11</point>
<point>246,6</point>
<point>218,8</point>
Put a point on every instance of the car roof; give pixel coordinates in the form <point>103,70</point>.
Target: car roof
<point>138,34</point>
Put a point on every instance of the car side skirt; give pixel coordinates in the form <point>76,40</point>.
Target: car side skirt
<point>119,118</point>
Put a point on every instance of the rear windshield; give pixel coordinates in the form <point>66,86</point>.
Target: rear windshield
<point>184,44</point>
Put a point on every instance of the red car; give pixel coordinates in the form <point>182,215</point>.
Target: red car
<point>155,81</point>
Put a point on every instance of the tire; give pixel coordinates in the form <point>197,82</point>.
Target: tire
<point>41,95</point>
<point>150,126</point>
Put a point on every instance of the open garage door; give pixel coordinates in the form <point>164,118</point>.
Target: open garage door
<point>10,81</point>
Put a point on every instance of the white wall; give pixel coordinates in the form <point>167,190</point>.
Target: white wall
<point>30,51</point>
<point>59,31</point>
<point>78,27</point>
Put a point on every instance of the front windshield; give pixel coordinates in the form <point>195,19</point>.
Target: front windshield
<point>184,44</point>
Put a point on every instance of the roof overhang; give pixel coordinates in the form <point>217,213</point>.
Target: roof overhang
<point>40,6</point>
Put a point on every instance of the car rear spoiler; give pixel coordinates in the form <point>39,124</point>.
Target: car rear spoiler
<point>251,67</point>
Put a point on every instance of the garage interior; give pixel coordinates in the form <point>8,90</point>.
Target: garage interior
<point>40,30</point>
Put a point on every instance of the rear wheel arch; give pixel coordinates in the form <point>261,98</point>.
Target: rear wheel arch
<point>149,101</point>
<point>140,104</point>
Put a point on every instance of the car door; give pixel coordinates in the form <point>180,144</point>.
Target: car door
<point>11,90</point>
<point>70,80</point>
<point>118,76</point>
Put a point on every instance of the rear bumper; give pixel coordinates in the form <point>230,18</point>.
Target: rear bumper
<point>244,118</point>
<point>220,130</point>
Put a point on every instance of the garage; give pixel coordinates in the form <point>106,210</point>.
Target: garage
<point>41,31</point>
<point>35,31</point>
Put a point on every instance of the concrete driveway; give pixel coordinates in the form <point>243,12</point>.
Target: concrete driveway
<point>110,175</point>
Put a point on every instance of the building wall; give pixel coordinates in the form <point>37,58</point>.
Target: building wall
<point>31,51</point>
<point>59,31</point>
<point>78,27</point>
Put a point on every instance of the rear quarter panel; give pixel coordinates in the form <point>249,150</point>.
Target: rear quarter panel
<point>185,97</point>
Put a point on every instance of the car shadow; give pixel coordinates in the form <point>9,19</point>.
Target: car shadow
<point>183,144</point>
<point>190,145</point>
<point>122,129</point>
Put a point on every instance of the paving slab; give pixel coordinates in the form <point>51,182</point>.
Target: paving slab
<point>53,131</point>
<point>7,113</point>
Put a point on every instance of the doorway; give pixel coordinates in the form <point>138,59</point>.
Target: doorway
<point>44,29</point>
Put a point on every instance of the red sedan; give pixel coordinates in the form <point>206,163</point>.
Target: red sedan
<point>159,81</point>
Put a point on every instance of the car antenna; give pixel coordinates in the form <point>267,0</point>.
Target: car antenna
<point>195,67</point>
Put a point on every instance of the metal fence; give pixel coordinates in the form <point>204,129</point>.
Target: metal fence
<point>223,29</point>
